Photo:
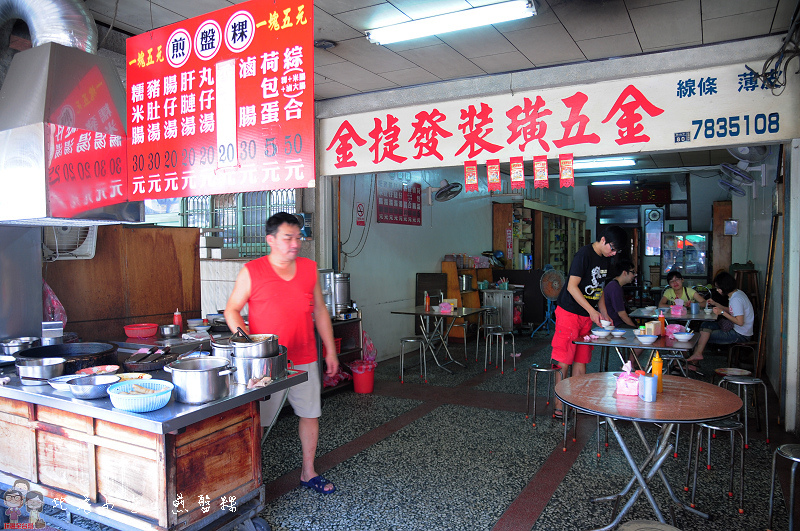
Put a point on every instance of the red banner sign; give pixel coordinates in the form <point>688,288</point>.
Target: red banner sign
<point>223,102</point>
<point>566,173</point>
<point>471,175</point>
<point>540,172</point>
<point>493,175</point>
<point>517,173</point>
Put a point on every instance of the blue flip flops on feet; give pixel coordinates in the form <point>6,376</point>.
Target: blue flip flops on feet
<point>319,483</point>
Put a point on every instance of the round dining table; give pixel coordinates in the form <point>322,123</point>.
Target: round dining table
<point>683,401</point>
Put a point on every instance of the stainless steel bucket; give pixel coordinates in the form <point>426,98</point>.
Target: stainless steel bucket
<point>262,346</point>
<point>247,368</point>
<point>222,348</point>
<point>201,380</point>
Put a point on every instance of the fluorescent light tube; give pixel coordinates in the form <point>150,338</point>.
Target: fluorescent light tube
<point>609,183</point>
<point>603,163</point>
<point>459,20</point>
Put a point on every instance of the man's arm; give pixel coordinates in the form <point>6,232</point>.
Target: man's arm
<point>625,319</point>
<point>322,320</point>
<point>574,290</point>
<point>237,300</point>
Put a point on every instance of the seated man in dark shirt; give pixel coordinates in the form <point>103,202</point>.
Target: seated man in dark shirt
<point>614,300</point>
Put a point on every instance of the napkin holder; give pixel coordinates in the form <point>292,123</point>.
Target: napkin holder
<point>627,382</point>
<point>653,328</point>
<point>648,387</point>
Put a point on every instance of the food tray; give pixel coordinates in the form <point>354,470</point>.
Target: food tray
<point>140,403</point>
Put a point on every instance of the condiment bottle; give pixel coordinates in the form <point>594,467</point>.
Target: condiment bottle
<point>177,319</point>
<point>658,369</point>
<point>427,302</point>
<point>663,321</point>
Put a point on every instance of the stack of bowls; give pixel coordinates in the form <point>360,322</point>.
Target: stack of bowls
<point>38,371</point>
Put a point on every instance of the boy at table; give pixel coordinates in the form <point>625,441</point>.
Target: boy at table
<point>577,304</point>
<point>613,300</point>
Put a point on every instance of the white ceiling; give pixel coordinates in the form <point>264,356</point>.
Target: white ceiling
<point>563,31</point>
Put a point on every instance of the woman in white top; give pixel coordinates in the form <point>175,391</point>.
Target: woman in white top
<point>739,312</point>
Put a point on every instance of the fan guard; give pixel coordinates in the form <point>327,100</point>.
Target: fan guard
<point>729,186</point>
<point>750,154</point>
<point>68,242</point>
<point>551,284</point>
<point>735,174</point>
<point>448,192</point>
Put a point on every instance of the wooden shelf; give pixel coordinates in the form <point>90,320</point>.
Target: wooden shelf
<point>464,299</point>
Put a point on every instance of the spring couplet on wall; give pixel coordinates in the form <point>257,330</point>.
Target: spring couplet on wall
<point>540,172</point>
<point>565,171</point>
<point>471,175</point>
<point>517,173</point>
<point>493,174</point>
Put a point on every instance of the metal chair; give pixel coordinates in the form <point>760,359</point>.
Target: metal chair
<point>742,383</point>
<point>422,363</point>
<point>733,427</point>
<point>792,453</point>
<point>487,321</point>
<point>551,383</point>
<point>499,335</point>
<point>465,327</point>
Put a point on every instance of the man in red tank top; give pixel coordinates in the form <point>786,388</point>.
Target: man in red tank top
<point>285,299</point>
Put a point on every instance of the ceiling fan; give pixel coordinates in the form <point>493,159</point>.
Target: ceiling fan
<point>445,192</point>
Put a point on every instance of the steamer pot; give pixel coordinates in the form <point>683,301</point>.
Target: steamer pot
<point>247,368</point>
<point>262,346</point>
<point>201,380</point>
<point>221,348</point>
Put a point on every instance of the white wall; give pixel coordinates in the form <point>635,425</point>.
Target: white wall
<point>383,275</point>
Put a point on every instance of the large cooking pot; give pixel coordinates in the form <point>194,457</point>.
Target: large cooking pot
<point>77,355</point>
<point>16,344</point>
<point>201,380</point>
<point>221,348</point>
<point>247,368</point>
<point>260,346</point>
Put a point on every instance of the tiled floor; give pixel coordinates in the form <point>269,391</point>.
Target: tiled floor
<point>457,453</point>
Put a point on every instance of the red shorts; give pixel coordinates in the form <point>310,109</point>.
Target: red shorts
<point>570,327</point>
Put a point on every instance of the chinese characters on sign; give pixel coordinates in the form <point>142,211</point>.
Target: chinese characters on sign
<point>222,103</point>
<point>599,119</point>
<point>399,203</point>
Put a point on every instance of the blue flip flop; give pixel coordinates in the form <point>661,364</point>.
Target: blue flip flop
<point>318,483</point>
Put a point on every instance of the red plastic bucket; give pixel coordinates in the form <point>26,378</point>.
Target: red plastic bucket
<point>364,382</point>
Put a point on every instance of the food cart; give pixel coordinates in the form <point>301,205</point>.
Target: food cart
<point>181,467</point>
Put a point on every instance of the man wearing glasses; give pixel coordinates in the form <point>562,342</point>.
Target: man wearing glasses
<point>577,304</point>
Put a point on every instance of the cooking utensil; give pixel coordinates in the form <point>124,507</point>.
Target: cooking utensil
<point>261,346</point>
<point>157,354</point>
<point>221,348</point>
<point>77,355</point>
<point>243,334</point>
<point>59,383</point>
<point>169,330</point>
<point>33,371</point>
<point>91,387</point>
<point>201,380</point>
<point>16,344</point>
<point>139,356</point>
<point>247,368</point>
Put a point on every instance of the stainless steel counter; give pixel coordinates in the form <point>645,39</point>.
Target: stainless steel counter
<point>171,417</point>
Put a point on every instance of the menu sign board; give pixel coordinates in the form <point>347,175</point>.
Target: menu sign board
<point>223,102</point>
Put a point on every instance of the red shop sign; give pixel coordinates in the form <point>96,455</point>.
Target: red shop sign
<point>223,102</point>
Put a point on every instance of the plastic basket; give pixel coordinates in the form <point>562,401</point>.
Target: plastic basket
<point>140,403</point>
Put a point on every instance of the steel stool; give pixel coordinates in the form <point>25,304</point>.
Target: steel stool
<point>422,363</point>
<point>465,327</point>
<point>791,452</point>
<point>743,382</point>
<point>734,427</point>
<point>487,317</point>
<point>551,383</point>
<point>729,371</point>
<point>499,334</point>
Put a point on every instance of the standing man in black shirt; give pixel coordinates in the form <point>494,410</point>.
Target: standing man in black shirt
<point>577,303</point>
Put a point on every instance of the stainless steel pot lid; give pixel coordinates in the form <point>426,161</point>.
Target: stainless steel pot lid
<point>206,363</point>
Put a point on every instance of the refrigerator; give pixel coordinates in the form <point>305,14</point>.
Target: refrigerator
<point>687,252</point>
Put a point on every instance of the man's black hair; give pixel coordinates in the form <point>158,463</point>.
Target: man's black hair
<point>622,266</point>
<point>617,237</point>
<point>276,220</point>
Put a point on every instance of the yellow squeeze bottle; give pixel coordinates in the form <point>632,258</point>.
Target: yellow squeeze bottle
<point>658,368</point>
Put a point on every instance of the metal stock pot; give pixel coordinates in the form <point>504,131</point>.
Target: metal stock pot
<point>201,380</point>
<point>261,346</point>
<point>247,368</point>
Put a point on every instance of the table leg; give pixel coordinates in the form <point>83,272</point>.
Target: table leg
<point>662,440</point>
<point>430,335</point>
<point>444,340</point>
<point>643,482</point>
